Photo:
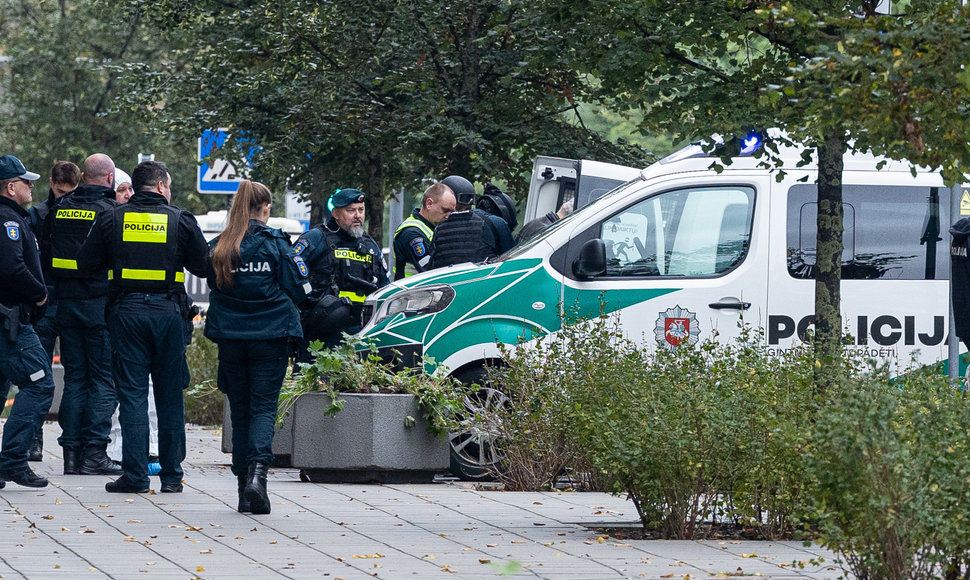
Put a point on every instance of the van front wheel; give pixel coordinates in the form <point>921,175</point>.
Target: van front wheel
<point>474,454</point>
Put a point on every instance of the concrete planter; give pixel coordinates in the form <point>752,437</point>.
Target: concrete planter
<point>368,441</point>
<point>282,438</point>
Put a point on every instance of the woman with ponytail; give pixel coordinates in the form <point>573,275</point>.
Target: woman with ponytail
<point>255,283</point>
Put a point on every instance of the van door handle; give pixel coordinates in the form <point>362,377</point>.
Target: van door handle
<point>730,305</point>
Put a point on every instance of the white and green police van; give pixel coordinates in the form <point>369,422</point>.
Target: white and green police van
<point>680,251</point>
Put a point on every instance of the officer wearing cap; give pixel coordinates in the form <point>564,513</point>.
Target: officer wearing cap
<point>345,266</point>
<point>89,397</point>
<point>23,296</point>
<point>412,240</point>
<point>145,244</point>
<point>469,234</point>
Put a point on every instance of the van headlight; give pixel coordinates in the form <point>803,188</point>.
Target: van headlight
<point>415,301</point>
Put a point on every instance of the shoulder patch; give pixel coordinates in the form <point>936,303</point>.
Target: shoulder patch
<point>13,230</point>
<point>418,246</point>
<point>301,266</point>
<point>299,247</point>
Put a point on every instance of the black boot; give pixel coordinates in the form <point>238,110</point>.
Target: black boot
<point>255,490</point>
<point>96,462</point>
<point>244,506</point>
<point>36,452</point>
<point>72,456</point>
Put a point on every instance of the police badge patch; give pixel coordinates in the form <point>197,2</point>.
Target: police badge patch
<point>677,326</point>
<point>418,247</point>
<point>13,230</point>
<point>301,266</point>
<point>299,247</point>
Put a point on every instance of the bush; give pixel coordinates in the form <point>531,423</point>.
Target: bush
<point>203,401</point>
<point>533,428</point>
<point>892,461</point>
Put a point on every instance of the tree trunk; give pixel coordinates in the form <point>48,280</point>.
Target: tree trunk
<point>373,171</point>
<point>828,261</point>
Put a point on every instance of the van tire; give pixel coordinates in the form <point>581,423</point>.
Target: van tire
<point>474,456</point>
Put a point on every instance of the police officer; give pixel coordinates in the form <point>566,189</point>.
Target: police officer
<point>468,235</point>
<point>345,266</point>
<point>412,240</point>
<point>64,179</point>
<point>23,296</point>
<point>255,282</point>
<point>89,397</point>
<point>145,244</point>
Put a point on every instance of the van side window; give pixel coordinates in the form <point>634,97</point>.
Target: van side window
<point>891,232</point>
<point>686,232</point>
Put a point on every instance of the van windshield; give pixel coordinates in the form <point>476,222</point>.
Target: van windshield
<point>556,226</point>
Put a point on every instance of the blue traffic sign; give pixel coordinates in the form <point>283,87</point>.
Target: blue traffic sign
<point>219,175</point>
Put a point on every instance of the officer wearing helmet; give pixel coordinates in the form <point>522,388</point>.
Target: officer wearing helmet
<point>468,235</point>
<point>345,266</point>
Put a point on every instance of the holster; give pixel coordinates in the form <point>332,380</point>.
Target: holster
<point>11,321</point>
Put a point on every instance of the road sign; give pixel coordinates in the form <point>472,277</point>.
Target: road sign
<point>218,175</point>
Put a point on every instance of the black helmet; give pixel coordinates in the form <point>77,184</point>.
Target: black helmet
<point>463,189</point>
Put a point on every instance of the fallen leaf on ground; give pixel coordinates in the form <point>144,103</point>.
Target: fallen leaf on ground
<point>375,555</point>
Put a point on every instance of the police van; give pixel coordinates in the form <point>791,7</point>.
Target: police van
<point>683,251</point>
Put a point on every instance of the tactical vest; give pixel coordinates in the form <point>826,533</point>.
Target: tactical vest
<point>145,249</point>
<point>351,267</point>
<point>459,239</point>
<point>69,227</point>
<point>428,233</point>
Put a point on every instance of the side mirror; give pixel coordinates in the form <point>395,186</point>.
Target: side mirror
<point>591,261</point>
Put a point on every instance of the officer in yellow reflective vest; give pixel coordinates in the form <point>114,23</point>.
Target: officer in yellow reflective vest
<point>89,397</point>
<point>145,244</point>
<point>345,266</point>
<point>412,240</point>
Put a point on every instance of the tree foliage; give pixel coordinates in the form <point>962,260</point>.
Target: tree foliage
<point>378,95</point>
<point>60,84</point>
<point>836,76</point>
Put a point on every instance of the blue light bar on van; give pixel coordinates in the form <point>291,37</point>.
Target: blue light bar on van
<point>750,144</point>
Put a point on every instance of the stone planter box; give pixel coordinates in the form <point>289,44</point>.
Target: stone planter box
<point>282,438</point>
<point>368,441</point>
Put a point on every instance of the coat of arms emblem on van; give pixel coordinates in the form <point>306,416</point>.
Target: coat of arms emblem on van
<point>677,326</point>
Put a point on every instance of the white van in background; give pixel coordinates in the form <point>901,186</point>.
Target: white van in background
<point>683,253</point>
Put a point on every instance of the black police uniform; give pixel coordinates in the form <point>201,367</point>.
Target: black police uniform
<point>470,236</point>
<point>22,358</point>
<point>253,321</point>
<point>89,397</point>
<point>145,244</point>
<point>342,266</point>
<point>46,327</point>
<point>412,245</point>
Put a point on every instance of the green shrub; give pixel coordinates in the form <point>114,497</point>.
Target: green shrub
<point>892,461</point>
<point>203,401</point>
<point>533,428</point>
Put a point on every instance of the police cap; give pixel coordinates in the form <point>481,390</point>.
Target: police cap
<point>345,197</point>
<point>11,167</point>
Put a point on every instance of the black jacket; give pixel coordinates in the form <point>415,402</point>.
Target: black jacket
<point>99,250</point>
<point>960,272</point>
<point>267,283</point>
<point>22,281</point>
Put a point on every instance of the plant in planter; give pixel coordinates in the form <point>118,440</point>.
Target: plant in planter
<point>356,419</point>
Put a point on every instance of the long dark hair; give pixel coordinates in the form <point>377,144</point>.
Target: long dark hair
<point>245,206</point>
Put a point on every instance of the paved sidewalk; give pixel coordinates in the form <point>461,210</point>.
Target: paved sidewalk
<point>74,529</point>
